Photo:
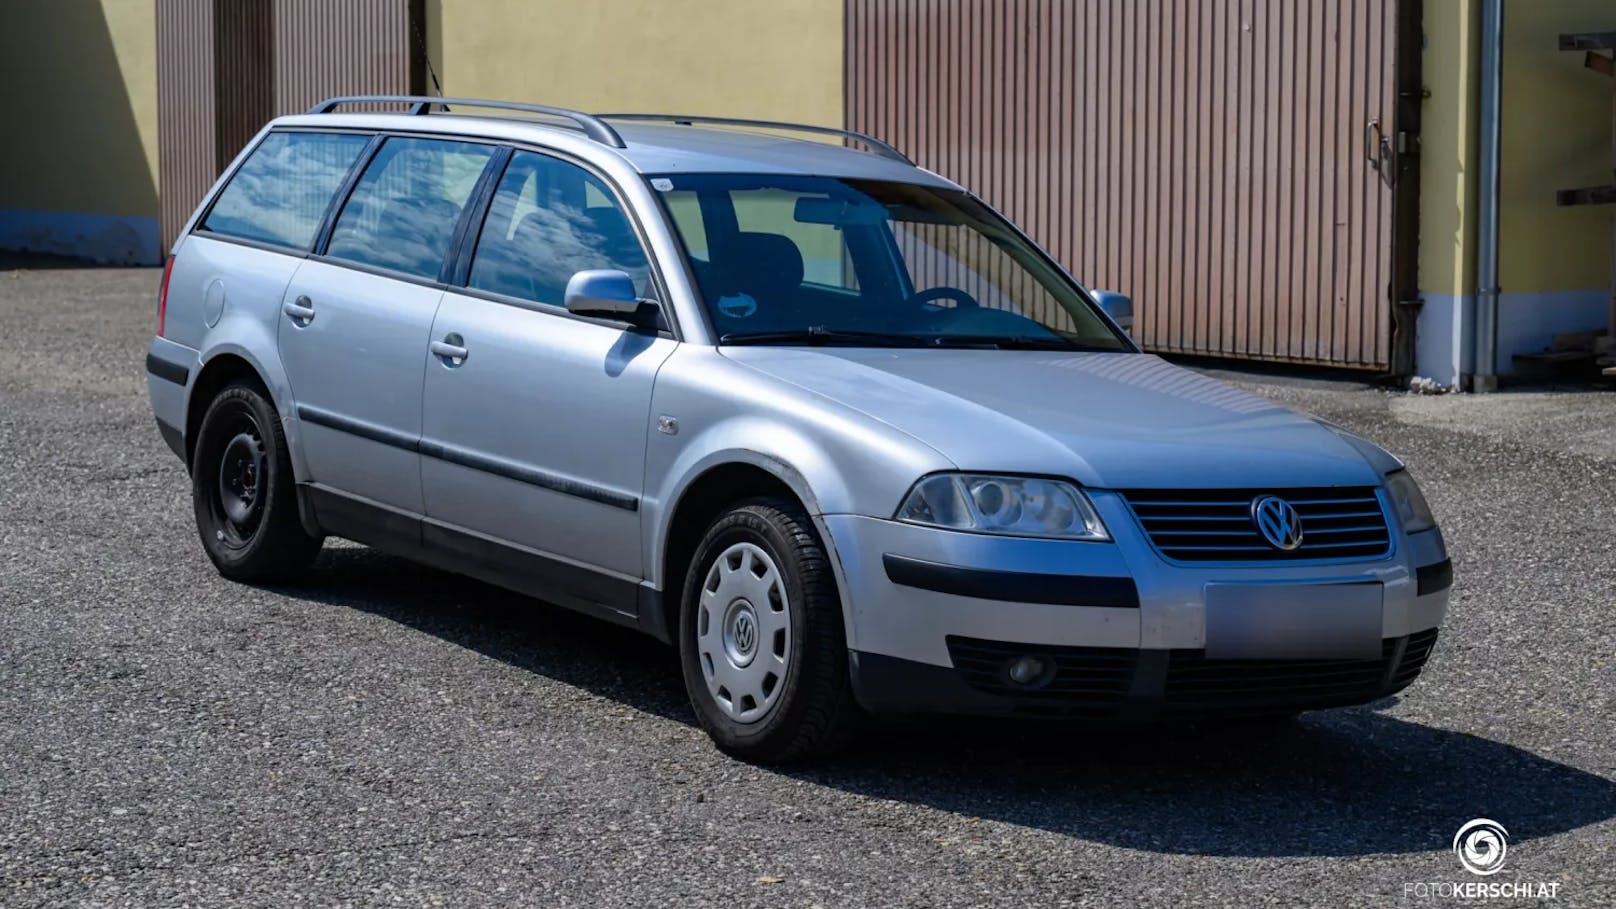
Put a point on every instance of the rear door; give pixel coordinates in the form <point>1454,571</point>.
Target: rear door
<point>357,317</point>
<point>536,436</point>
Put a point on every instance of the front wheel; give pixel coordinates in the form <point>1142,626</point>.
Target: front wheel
<point>761,637</point>
<point>243,491</point>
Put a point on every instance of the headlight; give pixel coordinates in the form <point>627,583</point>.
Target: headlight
<point>1015,506</point>
<point>1409,502</point>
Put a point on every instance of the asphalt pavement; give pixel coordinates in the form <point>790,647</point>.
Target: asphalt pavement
<point>386,734</point>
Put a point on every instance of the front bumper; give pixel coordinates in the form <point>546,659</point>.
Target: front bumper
<point>934,616</point>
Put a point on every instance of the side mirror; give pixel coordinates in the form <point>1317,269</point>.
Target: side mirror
<point>1117,306</point>
<point>609,294</point>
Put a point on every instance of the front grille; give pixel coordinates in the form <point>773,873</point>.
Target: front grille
<point>1094,678</point>
<point>1215,525</point>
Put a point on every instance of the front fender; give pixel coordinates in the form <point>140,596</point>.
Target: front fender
<point>782,451</point>
<point>835,459</point>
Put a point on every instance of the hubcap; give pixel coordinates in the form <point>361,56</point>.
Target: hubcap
<point>743,632</point>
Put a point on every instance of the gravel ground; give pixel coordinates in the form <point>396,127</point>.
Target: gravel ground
<point>387,734</point>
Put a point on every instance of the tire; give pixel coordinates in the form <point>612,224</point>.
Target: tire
<point>796,634</point>
<point>243,491</point>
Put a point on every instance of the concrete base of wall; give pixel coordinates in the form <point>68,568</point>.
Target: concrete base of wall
<point>1527,322</point>
<point>1438,349</point>
<point>108,239</point>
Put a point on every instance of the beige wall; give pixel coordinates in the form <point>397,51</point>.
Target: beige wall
<point>772,59</point>
<point>1557,134</point>
<point>78,142</point>
<point>80,130</point>
<point>1448,148</point>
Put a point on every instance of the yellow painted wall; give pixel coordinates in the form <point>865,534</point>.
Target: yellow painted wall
<point>772,59</point>
<point>79,133</point>
<point>1448,148</point>
<point>1557,134</point>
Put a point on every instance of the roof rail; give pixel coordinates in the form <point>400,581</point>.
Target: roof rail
<point>876,145</point>
<point>592,126</point>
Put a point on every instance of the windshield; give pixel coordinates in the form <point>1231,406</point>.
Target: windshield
<point>820,260</point>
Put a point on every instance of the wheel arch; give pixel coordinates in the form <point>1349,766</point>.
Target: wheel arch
<point>226,363</point>
<point>722,480</point>
<point>223,362</point>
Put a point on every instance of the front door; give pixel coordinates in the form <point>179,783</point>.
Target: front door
<point>535,419</point>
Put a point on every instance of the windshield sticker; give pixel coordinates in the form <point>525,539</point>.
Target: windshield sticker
<point>661,184</point>
<point>739,306</point>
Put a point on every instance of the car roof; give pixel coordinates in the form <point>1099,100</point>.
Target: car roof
<point>652,147</point>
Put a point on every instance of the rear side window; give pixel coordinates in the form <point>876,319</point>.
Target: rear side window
<point>280,193</point>
<point>402,213</point>
<point>550,219</point>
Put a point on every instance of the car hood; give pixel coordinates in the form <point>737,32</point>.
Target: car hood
<point>1106,420</point>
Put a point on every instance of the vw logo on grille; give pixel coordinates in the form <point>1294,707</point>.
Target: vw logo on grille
<point>1278,522</point>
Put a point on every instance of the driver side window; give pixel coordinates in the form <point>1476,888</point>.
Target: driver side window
<point>550,219</point>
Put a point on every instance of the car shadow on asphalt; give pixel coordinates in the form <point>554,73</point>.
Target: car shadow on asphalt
<point>1337,783</point>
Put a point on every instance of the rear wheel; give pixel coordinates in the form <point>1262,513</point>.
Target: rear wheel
<point>243,491</point>
<point>761,637</point>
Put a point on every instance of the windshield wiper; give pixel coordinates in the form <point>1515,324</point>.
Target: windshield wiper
<point>1018,342</point>
<point>818,335</point>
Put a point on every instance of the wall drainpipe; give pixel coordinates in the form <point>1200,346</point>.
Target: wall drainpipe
<point>1485,377</point>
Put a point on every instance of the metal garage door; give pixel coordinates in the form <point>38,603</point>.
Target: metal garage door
<point>1217,161</point>
<point>224,67</point>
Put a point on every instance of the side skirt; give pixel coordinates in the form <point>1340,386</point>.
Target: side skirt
<point>595,593</point>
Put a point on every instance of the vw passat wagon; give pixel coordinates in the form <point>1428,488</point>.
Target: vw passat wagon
<point>816,416</point>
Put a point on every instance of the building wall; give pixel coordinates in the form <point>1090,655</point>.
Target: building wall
<point>1554,262</point>
<point>778,60</point>
<point>1556,133</point>
<point>1447,270</point>
<point>78,143</point>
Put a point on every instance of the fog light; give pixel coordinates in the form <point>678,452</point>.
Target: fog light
<point>1031,671</point>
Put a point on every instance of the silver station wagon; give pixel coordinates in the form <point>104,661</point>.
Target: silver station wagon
<point>815,415</point>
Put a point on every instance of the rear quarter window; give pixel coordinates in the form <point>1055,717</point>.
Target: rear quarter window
<point>281,192</point>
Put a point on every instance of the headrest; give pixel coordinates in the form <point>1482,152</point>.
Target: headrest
<point>767,266</point>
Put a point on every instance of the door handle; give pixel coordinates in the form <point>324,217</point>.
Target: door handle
<point>1378,147</point>
<point>450,349</point>
<point>301,310</point>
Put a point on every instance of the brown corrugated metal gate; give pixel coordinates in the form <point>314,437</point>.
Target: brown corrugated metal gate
<point>226,66</point>
<point>1214,160</point>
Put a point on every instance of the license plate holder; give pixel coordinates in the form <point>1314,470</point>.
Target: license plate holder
<point>1294,621</point>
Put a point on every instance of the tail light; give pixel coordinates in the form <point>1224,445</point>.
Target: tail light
<point>162,296</point>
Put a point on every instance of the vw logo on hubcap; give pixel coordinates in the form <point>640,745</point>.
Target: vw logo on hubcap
<point>741,633</point>
<point>1278,521</point>
<point>745,633</point>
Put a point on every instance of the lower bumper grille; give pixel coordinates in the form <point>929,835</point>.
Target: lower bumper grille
<point>1111,680</point>
<point>1196,683</point>
<point>1086,678</point>
<point>1415,655</point>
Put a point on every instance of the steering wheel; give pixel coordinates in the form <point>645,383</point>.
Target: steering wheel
<point>926,298</point>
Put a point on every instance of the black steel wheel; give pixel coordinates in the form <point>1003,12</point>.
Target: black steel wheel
<point>243,491</point>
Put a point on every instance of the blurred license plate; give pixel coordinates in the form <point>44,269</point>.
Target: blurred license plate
<point>1293,621</point>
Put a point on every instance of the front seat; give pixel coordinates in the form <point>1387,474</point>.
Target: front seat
<point>766,267</point>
